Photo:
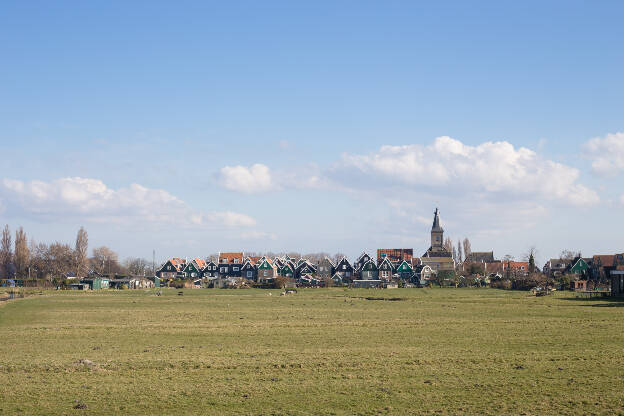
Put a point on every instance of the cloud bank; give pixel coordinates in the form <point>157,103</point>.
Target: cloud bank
<point>91,199</point>
<point>448,165</point>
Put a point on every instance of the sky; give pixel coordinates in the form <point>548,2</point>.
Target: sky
<point>194,127</point>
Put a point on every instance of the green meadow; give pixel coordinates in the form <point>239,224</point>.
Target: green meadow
<point>321,351</point>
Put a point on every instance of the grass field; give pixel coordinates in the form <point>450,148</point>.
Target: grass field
<point>321,351</point>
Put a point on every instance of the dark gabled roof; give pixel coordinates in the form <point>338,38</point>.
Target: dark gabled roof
<point>401,264</point>
<point>371,263</point>
<point>344,260</point>
<point>385,260</point>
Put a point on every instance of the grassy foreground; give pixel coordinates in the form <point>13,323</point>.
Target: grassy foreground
<point>321,351</point>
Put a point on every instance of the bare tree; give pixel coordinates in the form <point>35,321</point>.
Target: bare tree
<point>80,253</point>
<point>39,260</point>
<point>448,245</point>
<point>6,252</point>
<point>104,261</point>
<point>22,253</point>
<point>459,250</point>
<point>467,248</point>
<point>60,258</point>
<point>315,257</point>
<point>137,266</point>
<point>569,254</point>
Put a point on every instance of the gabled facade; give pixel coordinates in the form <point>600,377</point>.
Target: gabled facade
<point>405,271</point>
<point>580,267</point>
<point>210,271</point>
<point>249,271</point>
<point>345,270</point>
<point>192,271</point>
<point>279,262</point>
<point>287,270</point>
<point>325,269</point>
<point>305,269</point>
<point>267,270</point>
<point>171,269</point>
<point>423,275</point>
<point>359,263</point>
<point>369,271</point>
<point>230,264</point>
<point>385,269</point>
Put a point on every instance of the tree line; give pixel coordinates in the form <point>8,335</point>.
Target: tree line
<point>24,259</point>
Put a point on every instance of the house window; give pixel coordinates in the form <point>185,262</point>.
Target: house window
<point>235,260</point>
<point>168,267</point>
<point>249,274</point>
<point>344,267</point>
<point>235,269</point>
<point>266,273</point>
<point>223,269</point>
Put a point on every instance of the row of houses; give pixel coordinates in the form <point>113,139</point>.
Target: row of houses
<point>235,265</point>
<point>485,262</point>
<point>390,264</point>
<point>598,267</point>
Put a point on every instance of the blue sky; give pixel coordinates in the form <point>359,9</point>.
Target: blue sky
<point>338,105</point>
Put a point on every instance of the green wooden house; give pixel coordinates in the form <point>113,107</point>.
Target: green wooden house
<point>580,267</point>
<point>192,270</point>
<point>369,271</point>
<point>405,270</point>
<point>287,270</point>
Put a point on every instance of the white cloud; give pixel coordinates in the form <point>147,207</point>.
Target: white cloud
<point>254,179</point>
<point>259,178</point>
<point>448,165</point>
<point>93,200</point>
<point>606,153</point>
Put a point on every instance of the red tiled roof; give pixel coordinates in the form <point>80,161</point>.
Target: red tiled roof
<point>519,265</point>
<point>201,263</point>
<point>605,259</point>
<point>230,257</point>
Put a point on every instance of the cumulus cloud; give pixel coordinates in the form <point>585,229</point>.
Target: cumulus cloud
<point>491,167</point>
<point>93,200</point>
<point>606,153</point>
<point>253,179</point>
<point>259,178</point>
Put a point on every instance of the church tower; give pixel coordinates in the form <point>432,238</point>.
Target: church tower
<point>437,257</point>
<point>437,233</point>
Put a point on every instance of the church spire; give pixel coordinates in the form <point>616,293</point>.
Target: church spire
<point>436,222</point>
